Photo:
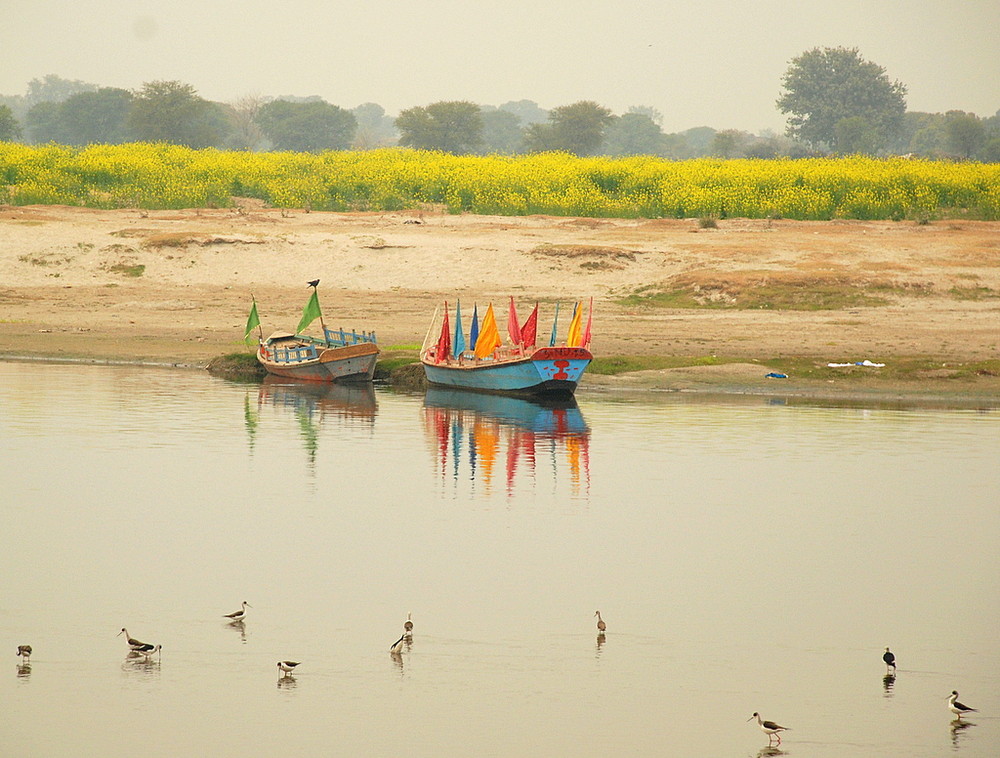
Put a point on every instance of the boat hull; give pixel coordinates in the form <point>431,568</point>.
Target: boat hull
<point>547,372</point>
<point>351,363</point>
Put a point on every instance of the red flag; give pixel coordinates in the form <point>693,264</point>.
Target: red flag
<point>443,350</point>
<point>529,331</point>
<point>590,320</point>
<point>512,328</point>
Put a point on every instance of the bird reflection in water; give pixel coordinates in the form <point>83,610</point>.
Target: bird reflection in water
<point>474,434</point>
<point>601,639</point>
<point>958,728</point>
<point>23,671</point>
<point>287,682</point>
<point>238,626</point>
<point>770,750</point>
<point>888,681</point>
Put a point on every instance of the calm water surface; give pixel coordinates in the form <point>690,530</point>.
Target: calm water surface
<point>746,556</point>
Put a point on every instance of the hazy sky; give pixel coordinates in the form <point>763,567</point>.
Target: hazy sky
<point>711,63</point>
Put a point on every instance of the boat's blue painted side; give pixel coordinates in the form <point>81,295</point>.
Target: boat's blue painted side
<point>547,371</point>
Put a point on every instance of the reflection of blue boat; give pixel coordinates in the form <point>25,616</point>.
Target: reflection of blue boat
<point>556,416</point>
<point>349,400</point>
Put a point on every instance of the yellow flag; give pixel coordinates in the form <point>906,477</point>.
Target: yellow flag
<point>573,338</point>
<point>489,335</point>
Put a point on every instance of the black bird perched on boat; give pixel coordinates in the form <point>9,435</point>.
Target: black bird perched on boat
<point>889,658</point>
<point>313,283</point>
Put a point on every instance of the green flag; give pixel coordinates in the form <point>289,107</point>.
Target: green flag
<point>309,314</point>
<point>252,322</point>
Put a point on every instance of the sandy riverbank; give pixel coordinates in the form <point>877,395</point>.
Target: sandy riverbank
<point>173,287</point>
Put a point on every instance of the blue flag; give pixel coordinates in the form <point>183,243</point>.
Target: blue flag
<point>555,325</point>
<point>474,331</point>
<point>459,334</point>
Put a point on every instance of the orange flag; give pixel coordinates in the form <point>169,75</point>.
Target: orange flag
<point>573,337</point>
<point>489,335</point>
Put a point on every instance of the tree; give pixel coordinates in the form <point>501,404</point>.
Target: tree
<point>633,133</point>
<point>965,133</point>
<point>855,135</point>
<point>502,133</point>
<point>173,112</point>
<point>528,111</point>
<point>577,128</point>
<point>824,86</point>
<point>307,127</point>
<point>43,123</point>
<point>728,143</point>
<point>95,117</point>
<point>246,134</point>
<point>375,128</point>
<point>9,128</point>
<point>453,127</point>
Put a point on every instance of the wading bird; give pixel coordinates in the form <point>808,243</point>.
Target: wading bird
<point>769,728</point>
<point>287,667</point>
<point>147,651</point>
<point>889,658</point>
<point>958,708</point>
<point>601,626</point>
<point>238,615</point>
<point>397,646</point>
<point>408,626</point>
<point>25,652</point>
<point>132,643</point>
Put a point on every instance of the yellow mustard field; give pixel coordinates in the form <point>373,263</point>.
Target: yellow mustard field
<point>160,176</point>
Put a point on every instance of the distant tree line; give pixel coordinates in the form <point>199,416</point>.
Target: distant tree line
<point>836,103</point>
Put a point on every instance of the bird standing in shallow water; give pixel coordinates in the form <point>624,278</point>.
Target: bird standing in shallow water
<point>601,626</point>
<point>287,667</point>
<point>25,652</point>
<point>889,658</point>
<point>132,643</point>
<point>397,646</point>
<point>769,728</point>
<point>146,651</point>
<point>238,615</point>
<point>408,626</point>
<point>958,708</point>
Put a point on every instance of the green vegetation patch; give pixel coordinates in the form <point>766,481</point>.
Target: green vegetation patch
<point>127,269</point>
<point>773,290</point>
<point>622,364</point>
<point>238,367</point>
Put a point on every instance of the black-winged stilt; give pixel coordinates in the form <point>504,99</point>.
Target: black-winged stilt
<point>408,625</point>
<point>238,615</point>
<point>25,652</point>
<point>958,708</point>
<point>769,728</point>
<point>889,658</point>
<point>132,643</point>
<point>146,651</point>
<point>287,667</point>
<point>601,626</point>
<point>397,646</point>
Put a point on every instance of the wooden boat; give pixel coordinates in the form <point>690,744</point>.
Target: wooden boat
<point>519,368</point>
<point>339,356</point>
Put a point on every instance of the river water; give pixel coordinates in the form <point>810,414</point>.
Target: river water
<point>747,555</point>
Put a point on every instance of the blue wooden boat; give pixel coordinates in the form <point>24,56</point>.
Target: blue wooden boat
<point>519,368</point>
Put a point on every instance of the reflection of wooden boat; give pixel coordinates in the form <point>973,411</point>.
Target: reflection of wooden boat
<point>521,367</point>
<point>339,356</point>
<point>355,400</point>
<point>545,416</point>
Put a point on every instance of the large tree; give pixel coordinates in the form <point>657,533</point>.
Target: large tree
<point>173,112</point>
<point>9,128</point>
<point>634,134</point>
<point>375,128</point>
<point>578,128</point>
<point>100,117</point>
<point>502,133</point>
<point>451,126</point>
<point>307,127</point>
<point>965,132</point>
<point>824,86</point>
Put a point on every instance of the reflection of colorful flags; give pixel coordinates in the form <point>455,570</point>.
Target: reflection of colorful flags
<point>512,328</point>
<point>489,337</point>
<point>474,329</point>
<point>529,330</point>
<point>573,337</point>
<point>459,334</point>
